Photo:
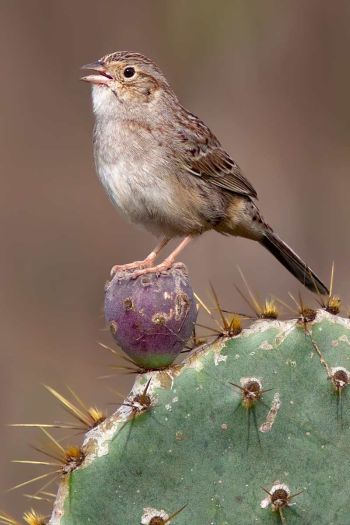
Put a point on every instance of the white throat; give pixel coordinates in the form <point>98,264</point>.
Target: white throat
<point>104,102</point>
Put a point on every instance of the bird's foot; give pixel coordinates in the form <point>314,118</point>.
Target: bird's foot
<point>136,265</point>
<point>158,269</point>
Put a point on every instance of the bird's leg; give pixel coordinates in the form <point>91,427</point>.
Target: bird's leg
<point>137,265</point>
<point>167,263</point>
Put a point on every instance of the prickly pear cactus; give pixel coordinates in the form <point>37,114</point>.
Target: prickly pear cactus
<point>253,428</point>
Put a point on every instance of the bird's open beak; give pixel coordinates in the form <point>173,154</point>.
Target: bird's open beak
<point>102,77</point>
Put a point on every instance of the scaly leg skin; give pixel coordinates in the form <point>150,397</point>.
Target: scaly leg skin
<point>137,265</point>
<point>166,264</point>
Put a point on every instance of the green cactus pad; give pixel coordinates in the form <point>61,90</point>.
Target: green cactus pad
<point>204,444</point>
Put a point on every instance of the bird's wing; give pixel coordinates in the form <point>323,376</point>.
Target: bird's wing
<point>204,157</point>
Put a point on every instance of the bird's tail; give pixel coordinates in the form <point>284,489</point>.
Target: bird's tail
<point>292,262</point>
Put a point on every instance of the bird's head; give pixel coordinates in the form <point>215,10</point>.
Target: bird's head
<point>125,79</point>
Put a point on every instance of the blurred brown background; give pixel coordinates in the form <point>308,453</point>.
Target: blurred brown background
<point>271,78</point>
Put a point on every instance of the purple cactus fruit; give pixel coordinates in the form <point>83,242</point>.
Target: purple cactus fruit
<point>151,317</point>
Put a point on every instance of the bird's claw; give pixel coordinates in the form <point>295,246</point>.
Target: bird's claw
<point>158,269</point>
<point>136,265</point>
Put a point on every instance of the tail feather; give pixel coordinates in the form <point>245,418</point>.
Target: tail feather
<point>293,263</point>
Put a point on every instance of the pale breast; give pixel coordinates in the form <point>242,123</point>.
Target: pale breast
<point>140,180</point>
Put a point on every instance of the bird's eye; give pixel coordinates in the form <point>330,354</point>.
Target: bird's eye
<point>129,72</point>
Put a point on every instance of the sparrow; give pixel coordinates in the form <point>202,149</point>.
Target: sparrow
<point>164,169</point>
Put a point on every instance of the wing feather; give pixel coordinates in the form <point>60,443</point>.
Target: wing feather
<point>204,157</point>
